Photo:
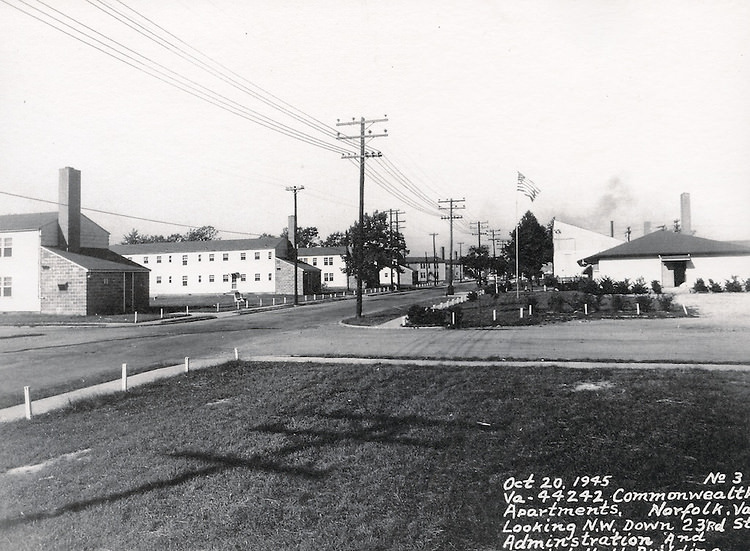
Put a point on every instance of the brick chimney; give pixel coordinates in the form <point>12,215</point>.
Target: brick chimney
<point>69,213</point>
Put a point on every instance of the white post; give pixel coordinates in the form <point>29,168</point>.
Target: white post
<point>284,300</point>
<point>161,313</point>
<point>545,288</point>
<point>637,309</point>
<point>453,318</point>
<point>187,310</point>
<point>305,298</point>
<point>684,308</point>
<point>236,354</point>
<point>27,400</point>
<point>529,309</point>
<point>314,296</point>
<point>217,306</point>
<point>586,308</point>
<point>247,304</point>
<point>273,301</point>
<point>261,302</point>
<point>494,315</point>
<point>521,312</point>
<point>135,318</point>
<point>187,364</point>
<point>124,377</point>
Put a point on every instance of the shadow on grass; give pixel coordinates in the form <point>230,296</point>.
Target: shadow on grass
<point>217,464</point>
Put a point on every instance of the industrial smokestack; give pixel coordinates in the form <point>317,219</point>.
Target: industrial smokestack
<point>442,253</point>
<point>611,228</point>
<point>69,209</point>
<point>686,222</point>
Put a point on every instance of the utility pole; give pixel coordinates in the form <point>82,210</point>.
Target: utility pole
<point>434,258</point>
<point>461,256</point>
<point>451,217</point>
<point>393,220</point>
<point>494,255</point>
<point>360,237</point>
<point>295,244</point>
<point>479,235</point>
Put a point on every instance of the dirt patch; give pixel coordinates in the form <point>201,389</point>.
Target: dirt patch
<point>719,309</point>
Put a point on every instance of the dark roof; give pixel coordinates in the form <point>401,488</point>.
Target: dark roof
<point>669,243</point>
<point>200,246</point>
<point>301,265</point>
<point>99,260</point>
<point>320,251</point>
<point>32,221</point>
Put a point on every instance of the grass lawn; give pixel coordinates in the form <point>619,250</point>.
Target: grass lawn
<point>320,457</point>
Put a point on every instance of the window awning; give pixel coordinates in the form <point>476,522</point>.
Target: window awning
<point>674,257</point>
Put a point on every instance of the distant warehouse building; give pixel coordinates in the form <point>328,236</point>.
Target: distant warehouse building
<point>60,262</point>
<point>262,266</point>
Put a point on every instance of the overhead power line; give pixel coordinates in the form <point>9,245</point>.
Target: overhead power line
<point>120,215</point>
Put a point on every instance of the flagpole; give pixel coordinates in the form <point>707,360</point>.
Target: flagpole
<point>517,226</point>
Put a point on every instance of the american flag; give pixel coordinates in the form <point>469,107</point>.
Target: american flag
<point>527,187</point>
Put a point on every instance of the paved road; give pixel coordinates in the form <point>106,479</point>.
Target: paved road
<point>47,357</point>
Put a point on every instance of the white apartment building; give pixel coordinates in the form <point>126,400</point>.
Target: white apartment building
<point>330,261</point>
<point>260,266</point>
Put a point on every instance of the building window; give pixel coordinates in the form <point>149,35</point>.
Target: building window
<point>315,261</point>
<point>145,260</point>
<point>269,255</point>
<point>243,256</point>
<point>169,280</point>
<point>257,277</point>
<point>7,249</point>
<point>158,279</point>
<point>105,281</point>
<point>158,259</point>
<point>225,256</point>
<point>184,260</point>
<point>257,255</point>
<point>225,278</point>
<point>184,281</point>
<point>328,276</point>
<point>200,279</point>
<point>199,258</point>
<point>211,257</point>
<point>243,277</point>
<point>169,259</point>
<point>328,261</point>
<point>270,277</point>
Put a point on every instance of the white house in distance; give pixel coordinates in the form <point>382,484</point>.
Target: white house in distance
<point>260,266</point>
<point>571,243</point>
<point>330,260</point>
<point>403,276</point>
<point>672,259</point>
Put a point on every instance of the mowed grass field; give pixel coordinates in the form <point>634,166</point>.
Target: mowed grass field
<point>322,457</point>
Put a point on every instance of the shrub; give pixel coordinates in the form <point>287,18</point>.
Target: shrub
<point>588,286</point>
<point>607,285</point>
<point>665,302</point>
<point>556,303</point>
<point>644,302</point>
<point>656,287</point>
<point>639,287</point>
<point>622,287</point>
<point>472,296</point>
<point>421,315</point>
<point>714,286</point>
<point>700,286</point>
<point>618,303</point>
<point>733,285</point>
<point>530,300</point>
<point>550,281</point>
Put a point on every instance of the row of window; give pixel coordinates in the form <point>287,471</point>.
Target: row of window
<point>211,279</point>
<point>6,246</point>
<point>327,276</point>
<point>327,261</point>
<point>211,257</point>
<point>6,287</point>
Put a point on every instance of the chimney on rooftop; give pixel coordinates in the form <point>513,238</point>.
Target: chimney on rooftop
<point>686,223</point>
<point>69,209</point>
<point>646,228</point>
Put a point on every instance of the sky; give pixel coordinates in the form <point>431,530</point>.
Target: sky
<point>612,109</point>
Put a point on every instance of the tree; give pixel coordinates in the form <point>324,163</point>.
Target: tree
<point>307,236</point>
<point>381,248</point>
<point>534,246</point>
<point>337,239</point>
<point>476,262</point>
<point>203,233</point>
